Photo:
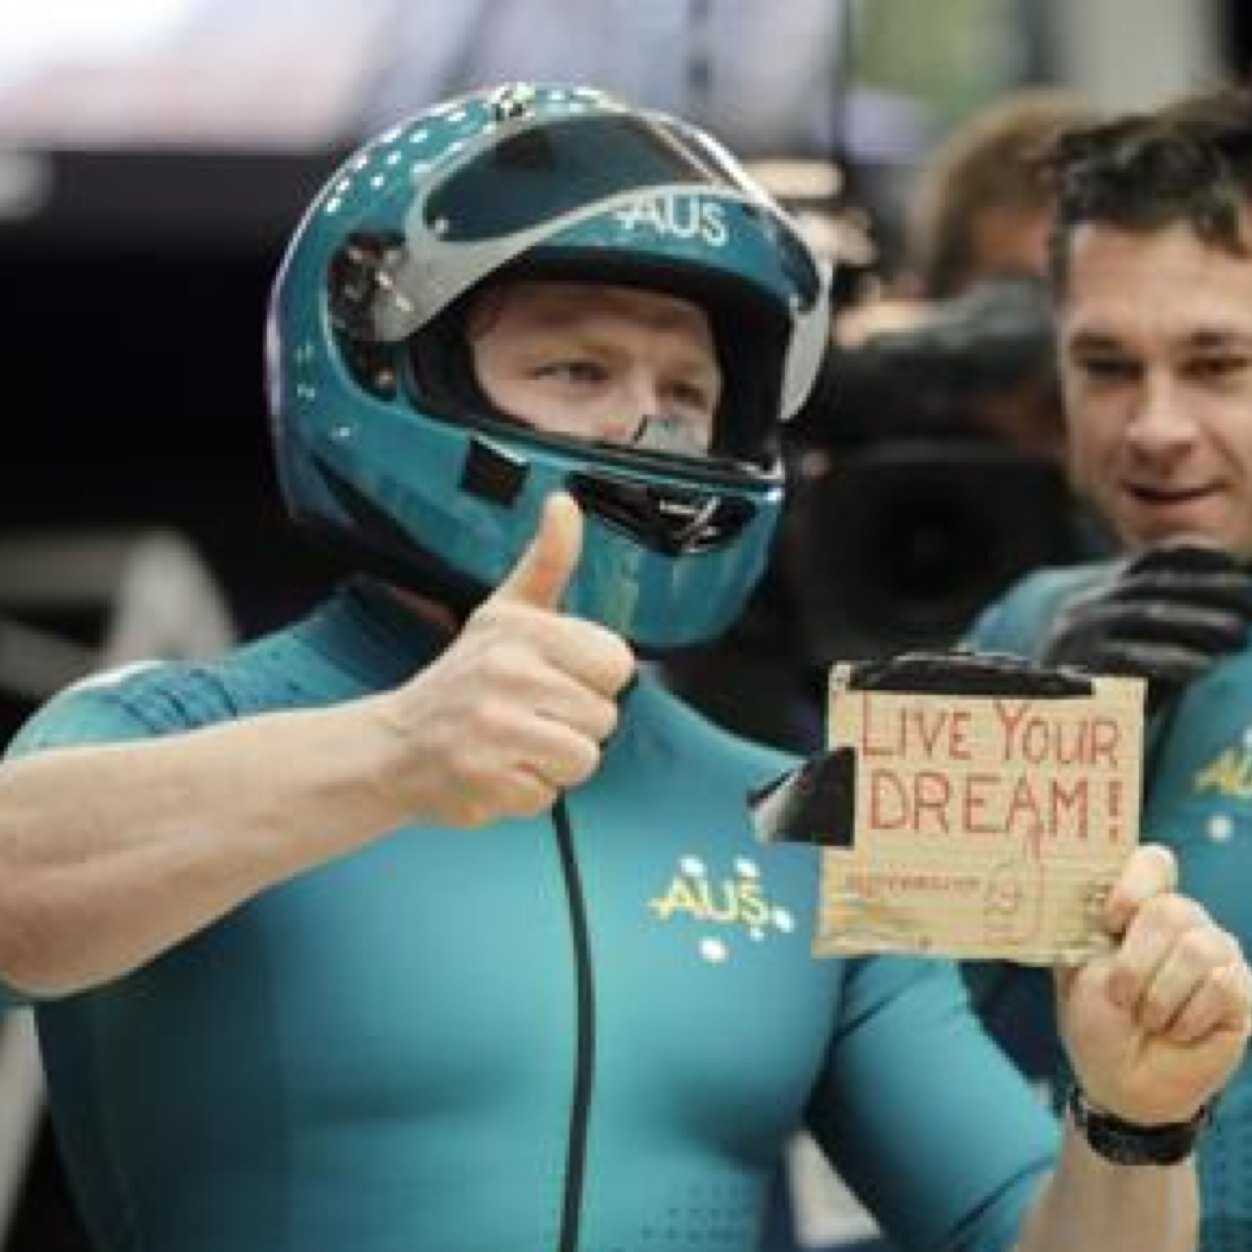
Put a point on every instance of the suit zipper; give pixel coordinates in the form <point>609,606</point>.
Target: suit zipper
<point>584,1063</point>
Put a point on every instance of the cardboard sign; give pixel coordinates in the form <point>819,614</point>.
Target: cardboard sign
<point>983,826</point>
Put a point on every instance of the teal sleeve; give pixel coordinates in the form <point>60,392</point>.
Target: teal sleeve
<point>1020,620</point>
<point>1000,626</point>
<point>88,713</point>
<point>96,711</point>
<point>942,1140</point>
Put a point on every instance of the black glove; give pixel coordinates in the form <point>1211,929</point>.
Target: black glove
<point>1166,617</point>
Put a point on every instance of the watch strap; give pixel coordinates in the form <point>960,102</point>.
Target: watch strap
<point>1128,1143</point>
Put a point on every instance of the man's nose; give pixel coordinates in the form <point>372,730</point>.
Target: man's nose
<point>1160,419</point>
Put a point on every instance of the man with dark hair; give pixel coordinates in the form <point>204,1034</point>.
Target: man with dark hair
<point>1151,262</point>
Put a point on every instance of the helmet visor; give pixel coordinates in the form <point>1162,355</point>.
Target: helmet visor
<point>542,172</point>
<point>509,192</point>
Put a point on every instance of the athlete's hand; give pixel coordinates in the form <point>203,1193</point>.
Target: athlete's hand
<point>1168,616</point>
<point>516,709</point>
<point>1155,1028</point>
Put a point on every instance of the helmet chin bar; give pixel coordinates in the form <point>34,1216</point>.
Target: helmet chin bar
<point>671,520</point>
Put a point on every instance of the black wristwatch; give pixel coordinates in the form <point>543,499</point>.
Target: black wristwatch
<point>1127,1143</point>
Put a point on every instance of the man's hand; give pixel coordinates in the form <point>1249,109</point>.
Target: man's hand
<point>1155,1028</point>
<point>515,710</point>
<point>1169,615</point>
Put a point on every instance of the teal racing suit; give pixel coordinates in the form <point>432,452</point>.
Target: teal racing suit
<point>1198,801</point>
<point>590,1031</point>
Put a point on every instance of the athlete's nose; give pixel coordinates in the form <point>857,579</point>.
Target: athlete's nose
<point>637,404</point>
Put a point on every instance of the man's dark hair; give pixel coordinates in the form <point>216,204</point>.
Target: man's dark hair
<point>1187,162</point>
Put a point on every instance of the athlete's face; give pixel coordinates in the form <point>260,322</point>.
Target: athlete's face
<point>599,362</point>
<point>1156,364</point>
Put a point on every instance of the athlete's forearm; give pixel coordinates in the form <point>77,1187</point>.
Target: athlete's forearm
<point>1093,1205</point>
<point>110,854</point>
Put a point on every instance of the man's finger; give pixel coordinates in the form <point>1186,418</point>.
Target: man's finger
<point>1220,1003</point>
<point>1192,958</point>
<point>1152,870</point>
<point>543,572</point>
<point>1164,926</point>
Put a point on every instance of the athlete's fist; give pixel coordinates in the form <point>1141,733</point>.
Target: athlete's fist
<point>1156,1027</point>
<point>516,709</point>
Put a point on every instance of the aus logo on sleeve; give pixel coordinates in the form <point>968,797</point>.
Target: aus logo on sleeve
<point>1230,773</point>
<point>677,217</point>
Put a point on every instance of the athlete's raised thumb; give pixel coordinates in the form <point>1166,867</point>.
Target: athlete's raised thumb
<point>543,571</point>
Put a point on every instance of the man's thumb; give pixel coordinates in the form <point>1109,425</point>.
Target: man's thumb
<point>543,571</point>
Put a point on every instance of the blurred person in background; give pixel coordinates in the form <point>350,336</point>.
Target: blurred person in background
<point>447,926</point>
<point>975,257</point>
<point>982,207</point>
<point>982,213</point>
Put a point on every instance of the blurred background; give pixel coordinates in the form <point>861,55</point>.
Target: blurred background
<point>155,154</point>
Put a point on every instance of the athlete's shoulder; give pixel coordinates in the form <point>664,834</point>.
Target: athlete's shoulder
<point>157,697</point>
<point>133,701</point>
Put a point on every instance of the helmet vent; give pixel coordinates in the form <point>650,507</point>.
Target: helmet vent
<point>492,473</point>
<point>360,277</point>
<point>665,519</point>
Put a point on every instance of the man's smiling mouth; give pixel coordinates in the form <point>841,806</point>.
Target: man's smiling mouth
<point>1169,495</point>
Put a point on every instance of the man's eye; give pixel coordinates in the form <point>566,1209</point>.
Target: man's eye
<point>1108,369</point>
<point>1217,368</point>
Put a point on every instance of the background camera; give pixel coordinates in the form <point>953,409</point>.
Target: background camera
<point>900,544</point>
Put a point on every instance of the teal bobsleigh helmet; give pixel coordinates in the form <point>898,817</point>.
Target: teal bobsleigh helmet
<point>387,447</point>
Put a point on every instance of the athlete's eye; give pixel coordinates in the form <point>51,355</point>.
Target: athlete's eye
<point>693,396</point>
<point>576,371</point>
